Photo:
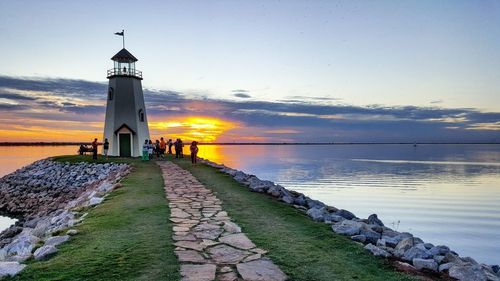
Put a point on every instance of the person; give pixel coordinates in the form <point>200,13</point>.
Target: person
<point>145,151</point>
<point>94,149</point>
<point>170,143</point>
<point>163,147</point>
<point>176,148</point>
<point>124,69</point>
<point>105,147</point>
<point>157,149</point>
<point>150,149</point>
<point>194,152</point>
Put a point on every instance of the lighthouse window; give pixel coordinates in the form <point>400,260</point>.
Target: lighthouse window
<point>141,115</point>
<point>111,93</point>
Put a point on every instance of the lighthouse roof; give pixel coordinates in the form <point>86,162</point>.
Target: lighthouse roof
<point>124,56</point>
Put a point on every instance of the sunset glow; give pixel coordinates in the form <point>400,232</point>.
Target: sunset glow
<point>201,129</point>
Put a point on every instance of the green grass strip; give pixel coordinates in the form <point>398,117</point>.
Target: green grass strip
<point>127,237</point>
<point>304,250</point>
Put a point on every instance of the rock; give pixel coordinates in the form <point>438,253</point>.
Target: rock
<point>495,268</point>
<point>287,199</point>
<point>391,241</point>
<point>345,214</point>
<point>428,246</point>
<point>373,219</point>
<point>438,258</point>
<point>45,252</point>
<point>371,236</point>
<point>381,243</point>
<point>56,240</point>
<point>260,270</point>
<point>416,252</point>
<point>227,255</point>
<point>229,276</point>
<point>239,240</point>
<point>10,268</point>
<point>333,218</point>
<point>95,201</point>
<point>445,266</point>
<point>347,227</point>
<point>425,264</point>
<point>404,245</point>
<point>359,238</point>
<point>72,232</point>
<point>377,251</point>
<point>231,227</point>
<point>189,256</point>
<point>198,272</point>
<point>316,214</point>
<point>467,272</point>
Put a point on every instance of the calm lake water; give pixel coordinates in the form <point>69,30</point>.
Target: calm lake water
<point>445,194</point>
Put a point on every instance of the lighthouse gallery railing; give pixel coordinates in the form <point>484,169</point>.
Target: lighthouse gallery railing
<point>124,72</point>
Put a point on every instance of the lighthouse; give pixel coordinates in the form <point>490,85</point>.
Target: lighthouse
<point>126,123</point>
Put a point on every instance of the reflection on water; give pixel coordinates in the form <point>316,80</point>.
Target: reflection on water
<point>446,194</point>
<point>15,157</point>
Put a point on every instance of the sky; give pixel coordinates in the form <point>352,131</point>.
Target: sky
<point>257,71</point>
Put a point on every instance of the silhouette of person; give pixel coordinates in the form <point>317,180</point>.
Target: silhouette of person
<point>194,152</point>
<point>94,149</point>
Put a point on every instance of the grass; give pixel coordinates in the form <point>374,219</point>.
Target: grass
<point>128,237</point>
<point>304,250</point>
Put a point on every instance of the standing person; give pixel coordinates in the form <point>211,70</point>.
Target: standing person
<point>105,147</point>
<point>157,149</point>
<point>170,143</point>
<point>181,146</point>
<point>150,149</point>
<point>145,151</point>
<point>163,147</point>
<point>194,152</point>
<point>176,147</point>
<point>94,149</point>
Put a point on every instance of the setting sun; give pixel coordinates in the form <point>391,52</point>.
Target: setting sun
<point>202,129</point>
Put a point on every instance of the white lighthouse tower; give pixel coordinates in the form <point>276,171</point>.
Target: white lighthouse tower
<point>126,125</point>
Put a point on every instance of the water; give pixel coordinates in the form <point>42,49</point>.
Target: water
<point>445,194</point>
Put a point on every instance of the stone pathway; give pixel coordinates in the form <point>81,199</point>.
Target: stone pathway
<point>209,245</point>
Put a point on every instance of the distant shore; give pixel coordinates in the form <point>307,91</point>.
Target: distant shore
<point>258,143</point>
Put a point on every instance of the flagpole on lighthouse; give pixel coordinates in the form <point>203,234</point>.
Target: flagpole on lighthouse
<point>122,34</point>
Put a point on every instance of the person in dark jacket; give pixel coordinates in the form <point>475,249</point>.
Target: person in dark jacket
<point>94,149</point>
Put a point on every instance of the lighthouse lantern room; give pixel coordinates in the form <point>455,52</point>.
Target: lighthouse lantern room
<point>126,124</point>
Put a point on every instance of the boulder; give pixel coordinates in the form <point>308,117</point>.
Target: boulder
<point>429,264</point>
<point>347,227</point>
<point>10,268</point>
<point>416,252</point>
<point>377,251</point>
<point>316,214</point>
<point>95,201</point>
<point>358,238</point>
<point>467,272</point>
<point>371,236</point>
<point>56,240</point>
<point>445,266</point>
<point>287,199</point>
<point>44,252</point>
<point>373,219</point>
<point>72,232</point>
<point>345,214</point>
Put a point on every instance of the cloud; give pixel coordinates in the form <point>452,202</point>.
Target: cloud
<point>241,93</point>
<point>27,100</point>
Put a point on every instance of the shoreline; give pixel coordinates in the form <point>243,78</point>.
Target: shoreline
<point>263,143</point>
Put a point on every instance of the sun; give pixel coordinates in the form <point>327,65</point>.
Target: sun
<point>198,128</point>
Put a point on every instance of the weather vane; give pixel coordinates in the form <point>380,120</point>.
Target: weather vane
<point>122,34</point>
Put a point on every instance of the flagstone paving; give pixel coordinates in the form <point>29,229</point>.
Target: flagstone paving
<point>209,245</point>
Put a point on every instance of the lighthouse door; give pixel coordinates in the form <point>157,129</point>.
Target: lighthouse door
<point>125,145</point>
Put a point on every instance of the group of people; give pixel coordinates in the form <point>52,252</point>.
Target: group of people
<point>149,149</point>
<point>159,148</point>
